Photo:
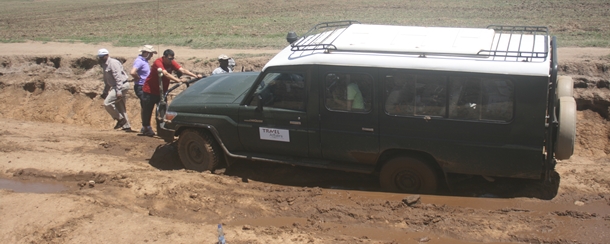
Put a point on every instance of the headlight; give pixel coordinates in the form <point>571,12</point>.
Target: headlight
<point>169,116</point>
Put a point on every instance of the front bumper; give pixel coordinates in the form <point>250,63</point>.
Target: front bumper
<point>166,134</point>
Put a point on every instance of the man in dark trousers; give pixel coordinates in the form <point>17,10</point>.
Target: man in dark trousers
<point>151,94</point>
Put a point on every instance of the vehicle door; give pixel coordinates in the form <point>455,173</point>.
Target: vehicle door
<point>273,118</point>
<point>348,115</point>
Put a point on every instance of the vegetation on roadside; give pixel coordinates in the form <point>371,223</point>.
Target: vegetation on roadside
<point>264,24</point>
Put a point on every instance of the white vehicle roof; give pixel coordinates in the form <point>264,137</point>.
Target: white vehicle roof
<point>500,50</point>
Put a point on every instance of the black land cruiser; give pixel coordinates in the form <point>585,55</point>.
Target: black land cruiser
<point>409,103</point>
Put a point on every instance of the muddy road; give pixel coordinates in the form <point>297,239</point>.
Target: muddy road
<point>67,177</point>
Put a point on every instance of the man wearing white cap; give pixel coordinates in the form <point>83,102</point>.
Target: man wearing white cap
<point>223,60</point>
<point>141,68</point>
<point>115,89</point>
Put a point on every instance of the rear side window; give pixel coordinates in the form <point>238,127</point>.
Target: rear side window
<point>413,95</point>
<point>472,98</point>
<point>454,97</point>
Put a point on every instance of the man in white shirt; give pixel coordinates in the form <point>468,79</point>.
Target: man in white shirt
<point>223,60</point>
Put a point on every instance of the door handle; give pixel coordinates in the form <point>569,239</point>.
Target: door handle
<point>368,129</point>
<point>253,120</point>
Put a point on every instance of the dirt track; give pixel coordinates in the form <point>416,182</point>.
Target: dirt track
<point>117,187</point>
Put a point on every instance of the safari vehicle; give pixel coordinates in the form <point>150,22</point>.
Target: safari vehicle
<point>411,104</point>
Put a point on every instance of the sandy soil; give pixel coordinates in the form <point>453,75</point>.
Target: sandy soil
<point>69,178</point>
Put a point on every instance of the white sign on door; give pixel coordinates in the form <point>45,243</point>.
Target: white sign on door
<point>274,134</point>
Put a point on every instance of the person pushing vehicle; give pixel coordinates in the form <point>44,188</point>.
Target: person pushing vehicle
<point>151,90</point>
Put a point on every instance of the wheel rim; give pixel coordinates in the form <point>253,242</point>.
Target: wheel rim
<point>408,181</point>
<point>195,153</point>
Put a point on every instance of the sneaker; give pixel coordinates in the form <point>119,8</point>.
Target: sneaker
<point>120,123</point>
<point>142,130</point>
<point>148,132</point>
<point>127,129</point>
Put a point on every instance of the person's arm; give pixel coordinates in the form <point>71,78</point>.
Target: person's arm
<point>185,71</point>
<point>351,94</point>
<point>134,74</point>
<point>105,92</point>
<point>170,76</point>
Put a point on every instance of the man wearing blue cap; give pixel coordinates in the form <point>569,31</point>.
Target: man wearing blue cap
<point>115,89</point>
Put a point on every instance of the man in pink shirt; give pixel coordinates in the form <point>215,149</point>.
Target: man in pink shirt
<point>151,94</point>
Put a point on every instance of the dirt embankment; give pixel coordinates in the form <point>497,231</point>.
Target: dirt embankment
<point>592,94</point>
<point>67,90</point>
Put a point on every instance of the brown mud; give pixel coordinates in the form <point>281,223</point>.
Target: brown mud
<point>123,188</point>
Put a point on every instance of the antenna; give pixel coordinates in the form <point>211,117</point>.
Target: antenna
<point>157,28</point>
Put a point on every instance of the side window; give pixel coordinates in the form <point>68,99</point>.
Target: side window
<point>400,94</point>
<point>411,95</point>
<point>350,92</point>
<point>464,98</point>
<point>285,90</point>
<point>498,96</point>
<point>430,95</point>
<point>472,98</point>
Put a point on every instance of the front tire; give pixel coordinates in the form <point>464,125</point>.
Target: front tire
<point>406,174</point>
<point>198,150</point>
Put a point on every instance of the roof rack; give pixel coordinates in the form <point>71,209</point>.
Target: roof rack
<point>315,40</point>
<point>508,43</point>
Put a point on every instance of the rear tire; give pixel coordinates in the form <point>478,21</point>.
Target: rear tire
<point>565,86</point>
<point>566,134</point>
<point>198,150</point>
<point>406,174</point>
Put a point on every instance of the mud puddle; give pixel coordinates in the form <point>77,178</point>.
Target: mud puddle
<point>31,187</point>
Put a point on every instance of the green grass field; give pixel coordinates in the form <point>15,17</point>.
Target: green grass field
<point>264,24</point>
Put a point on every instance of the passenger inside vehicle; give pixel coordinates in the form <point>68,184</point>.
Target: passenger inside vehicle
<point>355,101</point>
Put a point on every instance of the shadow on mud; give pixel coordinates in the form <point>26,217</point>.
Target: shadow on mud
<point>477,186</point>
<point>166,157</point>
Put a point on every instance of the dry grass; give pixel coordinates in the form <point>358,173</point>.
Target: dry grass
<point>264,24</point>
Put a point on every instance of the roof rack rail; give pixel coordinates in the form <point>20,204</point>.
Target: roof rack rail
<point>508,43</point>
<point>315,40</point>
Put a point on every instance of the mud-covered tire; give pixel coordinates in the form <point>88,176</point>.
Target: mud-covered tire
<point>566,134</point>
<point>198,150</point>
<point>407,174</point>
<point>565,86</point>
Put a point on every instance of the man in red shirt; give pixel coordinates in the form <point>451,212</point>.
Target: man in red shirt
<point>151,94</point>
